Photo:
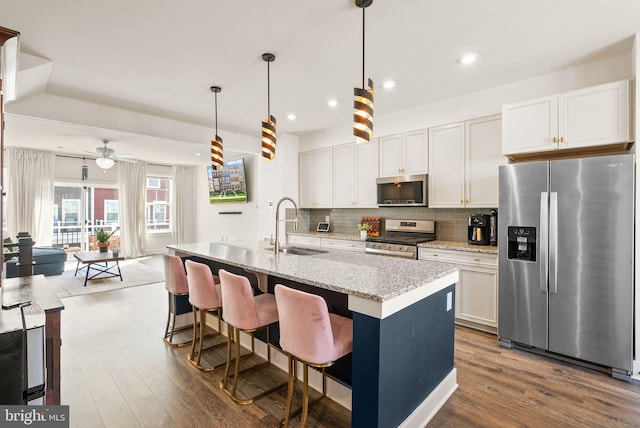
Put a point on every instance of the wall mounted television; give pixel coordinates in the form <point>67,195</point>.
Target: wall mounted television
<point>228,184</point>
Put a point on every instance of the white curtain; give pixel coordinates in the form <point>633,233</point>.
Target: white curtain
<point>132,187</point>
<point>183,203</point>
<point>30,194</point>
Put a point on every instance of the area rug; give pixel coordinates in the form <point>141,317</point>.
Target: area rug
<point>134,273</point>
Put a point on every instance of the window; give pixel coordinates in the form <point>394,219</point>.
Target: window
<point>153,183</point>
<point>158,204</point>
<point>111,211</point>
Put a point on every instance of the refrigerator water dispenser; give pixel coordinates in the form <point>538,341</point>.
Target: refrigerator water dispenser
<point>522,243</point>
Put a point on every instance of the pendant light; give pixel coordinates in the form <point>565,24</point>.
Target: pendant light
<point>363,97</point>
<point>216,142</point>
<point>269,125</point>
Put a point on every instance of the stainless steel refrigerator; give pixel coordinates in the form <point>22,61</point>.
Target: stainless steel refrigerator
<point>566,253</point>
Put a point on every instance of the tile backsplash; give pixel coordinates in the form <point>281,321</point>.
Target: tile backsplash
<point>451,223</point>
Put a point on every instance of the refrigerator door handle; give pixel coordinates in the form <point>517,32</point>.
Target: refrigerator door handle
<point>544,221</point>
<point>553,243</point>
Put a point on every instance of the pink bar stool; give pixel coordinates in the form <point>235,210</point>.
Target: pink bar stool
<point>244,312</point>
<point>175,281</point>
<point>205,297</point>
<point>312,335</point>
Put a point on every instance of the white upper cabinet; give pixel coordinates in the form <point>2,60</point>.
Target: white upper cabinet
<point>344,175</point>
<point>483,156</point>
<point>530,126</point>
<point>316,178</point>
<point>463,164</point>
<point>403,154</point>
<point>446,166</point>
<point>594,116</point>
<point>355,169</point>
<point>366,173</point>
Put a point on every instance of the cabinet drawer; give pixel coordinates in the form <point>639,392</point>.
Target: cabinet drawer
<point>310,241</point>
<point>459,257</point>
<point>342,244</point>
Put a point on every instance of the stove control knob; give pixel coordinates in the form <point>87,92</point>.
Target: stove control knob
<point>388,247</point>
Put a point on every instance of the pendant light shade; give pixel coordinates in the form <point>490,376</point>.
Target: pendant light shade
<point>363,97</point>
<point>269,124</point>
<point>216,142</point>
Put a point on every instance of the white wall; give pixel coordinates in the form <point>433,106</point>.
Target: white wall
<point>267,181</point>
<point>478,104</point>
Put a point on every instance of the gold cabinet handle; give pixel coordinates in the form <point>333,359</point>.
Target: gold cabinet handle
<point>434,255</point>
<point>466,201</point>
<point>562,139</point>
<point>553,139</point>
<point>460,200</point>
<point>476,260</point>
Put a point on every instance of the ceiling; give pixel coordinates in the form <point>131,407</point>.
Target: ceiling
<point>161,57</point>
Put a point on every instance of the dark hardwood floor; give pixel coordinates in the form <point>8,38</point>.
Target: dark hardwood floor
<point>117,371</point>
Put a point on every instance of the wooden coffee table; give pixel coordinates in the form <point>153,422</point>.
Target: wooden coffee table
<point>99,263</point>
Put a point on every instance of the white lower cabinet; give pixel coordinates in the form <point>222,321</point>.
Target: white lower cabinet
<point>308,241</point>
<point>342,244</point>
<point>329,243</point>
<point>477,289</point>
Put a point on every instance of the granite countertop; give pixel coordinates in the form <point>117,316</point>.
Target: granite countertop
<point>369,276</point>
<point>30,289</point>
<point>330,235</point>
<point>459,246</point>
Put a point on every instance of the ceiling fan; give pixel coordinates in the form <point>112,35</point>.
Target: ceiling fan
<point>106,156</point>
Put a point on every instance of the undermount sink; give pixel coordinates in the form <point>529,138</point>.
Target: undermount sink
<point>299,251</point>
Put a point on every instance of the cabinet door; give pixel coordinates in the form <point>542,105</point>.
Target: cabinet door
<point>366,173</point>
<point>415,153</point>
<point>307,182</point>
<point>594,116</point>
<point>390,156</point>
<point>483,155</point>
<point>344,175</point>
<point>477,297</point>
<point>324,178</point>
<point>446,166</point>
<point>530,126</point>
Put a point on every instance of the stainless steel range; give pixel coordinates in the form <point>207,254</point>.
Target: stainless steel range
<point>401,238</point>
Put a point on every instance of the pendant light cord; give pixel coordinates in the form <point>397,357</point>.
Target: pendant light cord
<point>363,9</point>
<point>268,92</point>
<point>216,94</point>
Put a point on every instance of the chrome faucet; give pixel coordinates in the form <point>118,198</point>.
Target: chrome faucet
<point>276,244</point>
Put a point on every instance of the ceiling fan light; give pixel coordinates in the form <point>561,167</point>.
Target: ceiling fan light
<point>104,162</point>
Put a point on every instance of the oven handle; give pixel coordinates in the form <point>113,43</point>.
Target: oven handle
<point>390,253</point>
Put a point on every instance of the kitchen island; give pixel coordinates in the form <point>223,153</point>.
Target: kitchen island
<point>403,321</point>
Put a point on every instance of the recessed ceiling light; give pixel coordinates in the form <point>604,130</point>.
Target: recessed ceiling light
<point>468,58</point>
<point>292,116</point>
<point>389,84</point>
<point>332,103</point>
<point>198,154</point>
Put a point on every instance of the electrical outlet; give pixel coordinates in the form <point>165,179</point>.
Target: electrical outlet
<point>449,300</point>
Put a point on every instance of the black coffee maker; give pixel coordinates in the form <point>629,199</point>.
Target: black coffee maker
<point>478,229</point>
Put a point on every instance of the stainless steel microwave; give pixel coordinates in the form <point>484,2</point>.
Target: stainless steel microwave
<point>402,191</point>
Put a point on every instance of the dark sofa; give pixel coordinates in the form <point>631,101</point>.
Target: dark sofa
<point>47,261</point>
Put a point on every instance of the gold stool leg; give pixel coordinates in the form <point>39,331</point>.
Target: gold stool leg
<point>292,364</point>
<point>193,341</point>
<point>168,335</point>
